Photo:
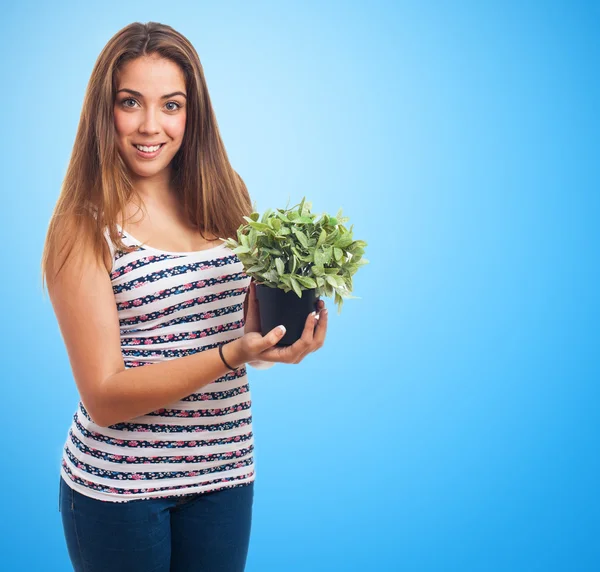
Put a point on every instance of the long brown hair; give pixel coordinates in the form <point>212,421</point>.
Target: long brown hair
<point>96,187</point>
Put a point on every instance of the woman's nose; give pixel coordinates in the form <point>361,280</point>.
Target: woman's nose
<point>149,122</point>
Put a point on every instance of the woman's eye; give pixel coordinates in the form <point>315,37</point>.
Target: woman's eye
<point>125,103</point>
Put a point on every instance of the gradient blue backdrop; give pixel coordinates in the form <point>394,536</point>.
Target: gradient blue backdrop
<point>450,422</point>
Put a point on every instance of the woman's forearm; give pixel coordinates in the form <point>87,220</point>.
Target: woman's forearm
<point>137,391</point>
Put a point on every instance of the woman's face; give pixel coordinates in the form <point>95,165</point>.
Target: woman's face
<point>150,110</point>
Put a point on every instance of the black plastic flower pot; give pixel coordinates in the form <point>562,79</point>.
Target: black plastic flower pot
<point>278,307</point>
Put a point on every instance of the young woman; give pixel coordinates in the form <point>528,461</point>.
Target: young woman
<point>158,318</point>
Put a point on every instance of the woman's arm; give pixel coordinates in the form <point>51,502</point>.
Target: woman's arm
<point>84,304</point>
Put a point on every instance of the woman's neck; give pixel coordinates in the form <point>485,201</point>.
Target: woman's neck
<point>157,190</point>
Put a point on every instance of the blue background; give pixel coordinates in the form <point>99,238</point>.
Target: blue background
<point>450,422</point>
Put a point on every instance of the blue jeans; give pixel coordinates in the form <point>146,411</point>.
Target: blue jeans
<point>204,532</point>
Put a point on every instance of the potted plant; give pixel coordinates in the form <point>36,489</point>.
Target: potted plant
<point>295,258</point>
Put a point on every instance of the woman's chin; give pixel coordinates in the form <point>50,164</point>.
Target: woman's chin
<point>147,173</point>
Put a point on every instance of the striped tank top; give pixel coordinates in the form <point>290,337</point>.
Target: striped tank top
<point>170,305</point>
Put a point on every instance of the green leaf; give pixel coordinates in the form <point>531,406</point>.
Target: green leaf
<point>271,275</point>
<point>344,240</point>
<point>306,281</point>
<point>252,238</point>
<point>296,286</point>
<point>280,266</point>
<point>260,226</point>
<point>333,235</point>
<point>273,251</point>
<point>322,238</point>
<point>301,237</point>
<point>338,253</point>
<point>231,243</point>
<point>319,258</point>
<point>331,280</point>
<point>339,301</point>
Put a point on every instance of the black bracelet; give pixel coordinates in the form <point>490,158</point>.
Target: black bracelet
<point>221,354</point>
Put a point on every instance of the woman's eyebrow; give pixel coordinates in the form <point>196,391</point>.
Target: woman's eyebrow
<point>138,94</point>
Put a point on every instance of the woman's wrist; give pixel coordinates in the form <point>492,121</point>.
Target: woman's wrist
<point>232,354</point>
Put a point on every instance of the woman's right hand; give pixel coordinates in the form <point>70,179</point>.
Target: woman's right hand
<point>254,346</point>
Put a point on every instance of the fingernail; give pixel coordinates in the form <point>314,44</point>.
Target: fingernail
<point>314,313</point>
<point>324,310</point>
<point>282,327</point>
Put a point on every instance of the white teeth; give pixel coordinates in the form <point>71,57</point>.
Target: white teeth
<point>148,149</point>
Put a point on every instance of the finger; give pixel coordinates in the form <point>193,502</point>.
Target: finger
<point>320,307</point>
<point>272,337</point>
<point>321,329</point>
<point>304,345</point>
<point>309,328</point>
<point>318,333</point>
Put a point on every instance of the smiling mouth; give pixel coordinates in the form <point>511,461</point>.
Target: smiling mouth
<point>148,148</point>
